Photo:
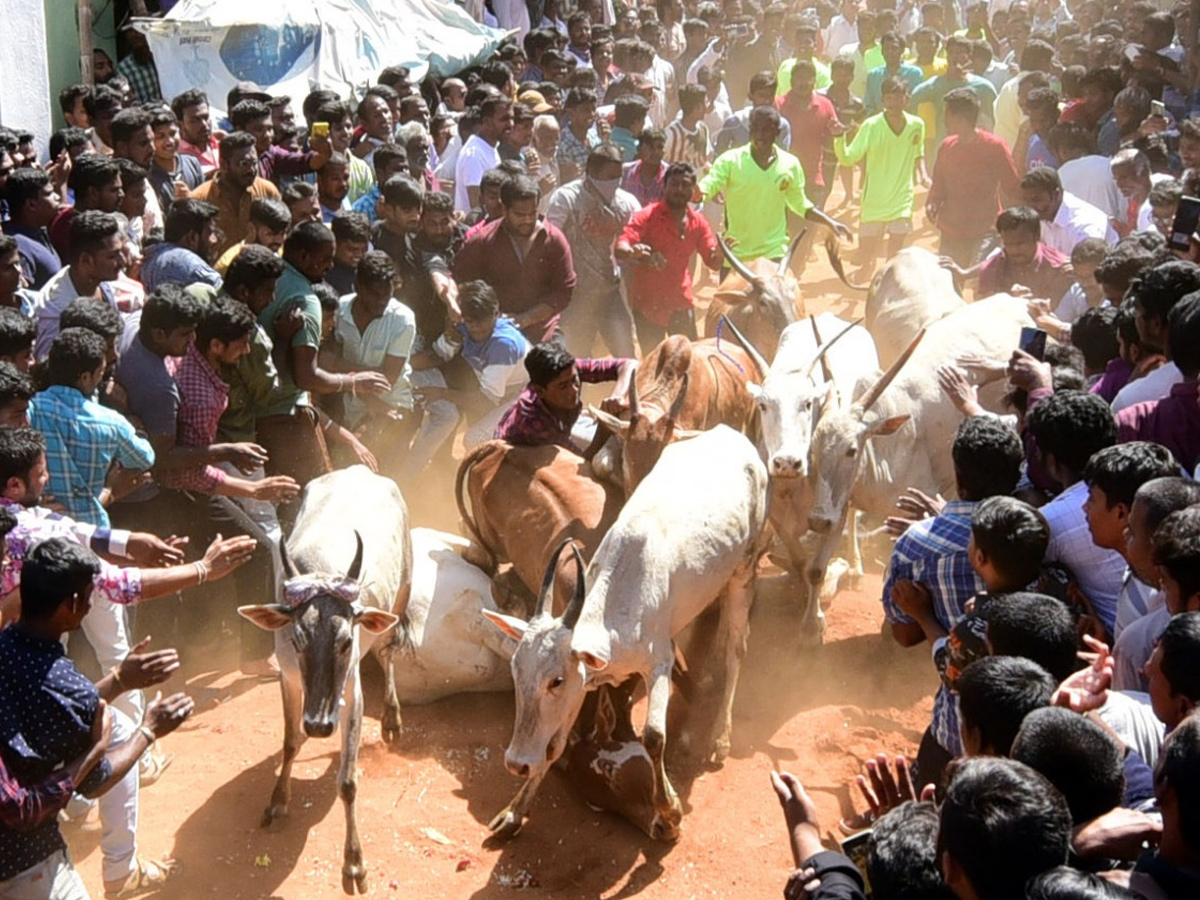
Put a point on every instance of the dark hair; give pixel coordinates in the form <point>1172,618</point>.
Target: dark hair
<point>236,140</point>
<point>477,300</point>
<point>385,155</point>
<point>1183,335</point>
<point>1042,179</point>
<point>1123,264</point>
<point>376,267</point>
<point>327,296</point>
<point>74,352</point>
<point>1162,496</point>
<point>131,173</point>
<point>1160,288</point>
<point>67,139</point>
<point>53,571</point>
<point>347,225</point>
<point>962,102</point>
<point>23,184</point>
<point>1177,549</point>
<point>518,188</point>
<point>1180,646</point>
<point>225,320</point>
<point>186,100</point>
<point>1120,470</point>
<point>437,202</point>
<point>1179,768</point>
<point>307,237</point>
<point>987,458</point>
<point>1094,333</point>
<point>270,212</point>
<point>1036,627</point>
<point>17,332</point>
<point>1019,218</point>
<point>651,136</point>
<point>1003,823</point>
<point>14,385</point>
<point>187,217</point>
<point>545,362</point>
<point>1012,535</point>
<point>91,170</point>
<point>253,265</point>
<point>169,307</point>
<point>1077,756</point>
<point>394,75</point>
<point>1072,426</point>
<point>996,693</point>
<point>402,191</point>
<point>89,230</point>
<point>630,109</point>
<point>297,191</point>
<point>902,861</point>
<point>20,449</point>
<point>95,315</point>
<point>247,111</point>
<point>68,96</point>
<point>331,112</point>
<point>102,98</point>
<point>1065,883</point>
<point>127,123</point>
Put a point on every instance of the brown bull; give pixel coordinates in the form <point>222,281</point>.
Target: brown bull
<point>762,298</point>
<point>524,501</point>
<point>681,387</point>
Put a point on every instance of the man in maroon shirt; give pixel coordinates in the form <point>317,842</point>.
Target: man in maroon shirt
<point>1024,260</point>
<point>525,259</point>
<point>1173,421</point>
<point>549,407</point>
<point>814,122</point>
<point>656,249</point>
<point>972,179</point>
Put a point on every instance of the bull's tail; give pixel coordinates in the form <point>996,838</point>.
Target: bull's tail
<point>489,563</point>
<point>835,260</point>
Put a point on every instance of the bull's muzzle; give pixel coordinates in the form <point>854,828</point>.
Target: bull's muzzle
<point>319,728</point>
<point>786,465</point>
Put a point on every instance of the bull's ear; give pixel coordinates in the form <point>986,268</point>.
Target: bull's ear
<point>593,661</point>
<point>267,616</point>
<point>887,426</point>
<point>619,427</point>
<point>510,625</point>
<point>376,621</point>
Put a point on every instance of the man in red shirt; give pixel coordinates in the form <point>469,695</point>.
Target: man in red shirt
<point>1024,260</point>
<point>973,176</point>
<point>814,123</point>
<point>656,248</point>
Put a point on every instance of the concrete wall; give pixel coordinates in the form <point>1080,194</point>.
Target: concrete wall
<point>25,85</point>
<point>62,42</point>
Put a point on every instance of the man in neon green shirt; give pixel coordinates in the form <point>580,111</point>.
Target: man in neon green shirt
<point>805,41</point>
<point>760,183</point>
<point>893,143</point>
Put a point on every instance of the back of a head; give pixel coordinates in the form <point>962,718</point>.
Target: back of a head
<point>477,300</point>
<point>996,693</point>
<point>1095,334</point>
<point>1077,756</point>
<point>1036,627</point>
<point>169,307</point>
<point>1180,646</point>
<point>187,217</point>
<point>307,237</point>
<point>1176,544</point>
<point>253,265</point>
<point>54,570</point>
<point>1123,468</point>
<point>1065,883</point>
<point>987,458</point>
<point>545,362</point>
<point>75,352</point>
<point>17,332</point>
<point>902,859</point>
<point>1162,496</point>
<point>1183,335</point>
<point>1013,536</point>
<point>1071,426</point>
<point>1003,823</point>
<point>1179,769</point>
<point>1158,289</point>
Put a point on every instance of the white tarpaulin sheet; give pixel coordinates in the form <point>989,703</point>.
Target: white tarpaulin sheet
<point>295,46</point>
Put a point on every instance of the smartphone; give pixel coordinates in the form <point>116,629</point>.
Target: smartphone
<point>320,129</point>
<point>1187,219</point>
<point>855,847</point>
<point>1033,342</point>
<point>1157,109</point>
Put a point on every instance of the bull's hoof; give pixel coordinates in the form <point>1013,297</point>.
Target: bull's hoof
<point>391,726</point>
<point>722,745</point>
<point>354,877</point>
<point>273,816</point>
<point>506,825</point>
<point>666,827</point>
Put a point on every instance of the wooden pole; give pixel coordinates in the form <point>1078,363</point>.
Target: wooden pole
<point>85,41</point>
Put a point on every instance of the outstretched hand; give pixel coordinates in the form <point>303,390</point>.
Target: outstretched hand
<point>800,814</point>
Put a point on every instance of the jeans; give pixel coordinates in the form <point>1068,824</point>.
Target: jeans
<point>441,418</point>
<point>54,878</point>
<point>650,335</point>
<point>599,312</point>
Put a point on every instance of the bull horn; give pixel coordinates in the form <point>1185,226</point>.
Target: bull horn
<point>868,399</point>
<point>820,357</point>
<point>734,263</point>
<point>677,403</point>
<point>356,567</point>
<point>835,261</point>
<point>289,567</point>
<point>633,396</point>
<point>759,362</point>
<point>786,262</point>
<point>548,578</point>
<point>571,616</point>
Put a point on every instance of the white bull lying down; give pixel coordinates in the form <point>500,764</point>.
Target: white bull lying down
<point>817,365</point>
<point>348,514</point>
<point>671,553</point>
<point>851,469</point>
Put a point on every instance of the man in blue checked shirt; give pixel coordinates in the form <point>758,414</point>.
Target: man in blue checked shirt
<point>932,554</point>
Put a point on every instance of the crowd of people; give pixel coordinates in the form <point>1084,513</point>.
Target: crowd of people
<point>198,317</point>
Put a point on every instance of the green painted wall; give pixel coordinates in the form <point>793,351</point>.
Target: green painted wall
<point>62,43</point>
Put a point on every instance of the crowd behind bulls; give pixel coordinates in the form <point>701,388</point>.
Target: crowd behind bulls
<point>197,318</point>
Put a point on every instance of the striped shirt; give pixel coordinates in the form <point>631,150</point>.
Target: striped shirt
<point>934,553</point>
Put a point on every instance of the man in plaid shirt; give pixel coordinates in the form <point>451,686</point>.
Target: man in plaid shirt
<point>549,407</point>
<point>930,578</point>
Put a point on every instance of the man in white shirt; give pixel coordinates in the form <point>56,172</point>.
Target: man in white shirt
<point>479,152</point>
<point>1131,169</point>
<point>1066,220</point>
<point>1084,173</point>
<point>842,30</point>
<point>1036,56</point>
<point>1155,292</point>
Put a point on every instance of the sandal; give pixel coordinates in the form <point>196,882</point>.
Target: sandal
<point>856,823</point>
<point>153,765</point>
<point>147,875</point>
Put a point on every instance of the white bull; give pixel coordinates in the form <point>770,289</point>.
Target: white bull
<point>445,646</point>
<point>910,292</point>
<point>851,470</point>
<point>671,553</point>
<point>348,514</point>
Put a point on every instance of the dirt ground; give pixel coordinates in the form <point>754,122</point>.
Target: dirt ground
<point>423,807</point>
